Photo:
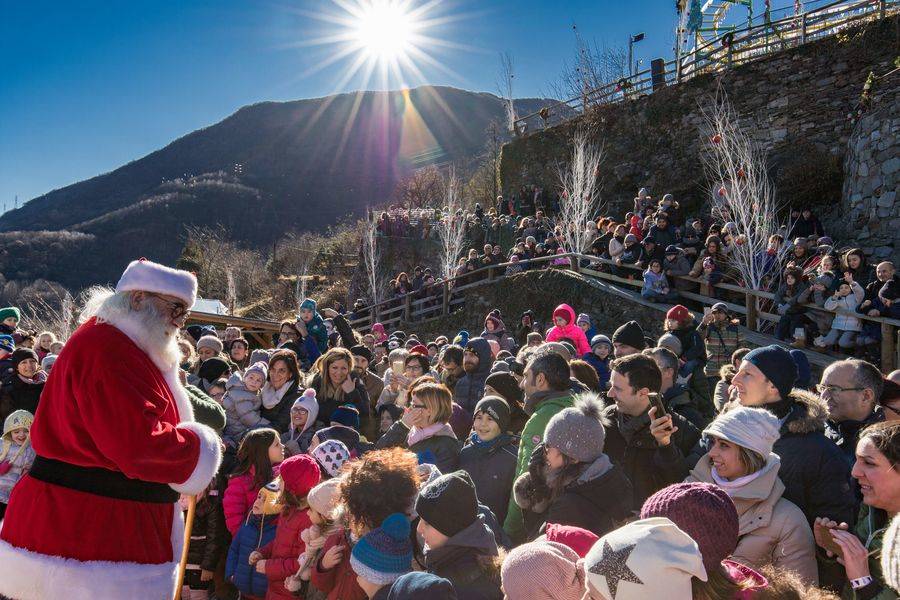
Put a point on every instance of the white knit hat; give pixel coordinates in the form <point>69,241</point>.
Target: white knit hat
<point>753,428</point>
<point>650,558</point>
<point>147,276</point>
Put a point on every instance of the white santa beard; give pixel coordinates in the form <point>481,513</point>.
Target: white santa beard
<point>148,327</point>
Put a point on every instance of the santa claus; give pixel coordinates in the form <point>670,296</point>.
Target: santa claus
<point>97,516</point>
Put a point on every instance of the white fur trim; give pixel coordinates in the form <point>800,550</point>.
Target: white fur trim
<point>182,402</point>
<point>147,276</point>
<point>207,463</point>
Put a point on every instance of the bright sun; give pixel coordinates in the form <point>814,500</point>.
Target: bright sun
<point>385,30</point>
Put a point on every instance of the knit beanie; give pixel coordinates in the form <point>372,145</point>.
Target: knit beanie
<point>583,318</point>
<point>10,311</point>
<point>270,494</point>
<point>308,304</point>
<point>753,428</point>
<point>500,366</point>
<point>212,369</point>
<point>542,571</point>
<point>462,338</point>
<point>260,355</point>
<point>600,339</point>
<point>496,408</point>
<point>299,473</point>
<point>346,415</point>
<point>325,497</point>
<point>20,355</point>
<point>573,353</point>
<point>578,539</point>
<point>651,558</point>
<point>890,554</point>
<point>630,334</point>
<point>385,553</point>
<point>7,343</point>
<point>534,337</point>
<point>427,473</point>
<point>48,361</point>
<point>804,371</point>
<point>419,349</point>
<point>631,238</point>
<point>670,341</point>
<point>341,433</point>
<point>260,368</point>
<point>331,456</point>
<point>558,348</point>
<point>210,341</point>
<point>421,584</point>
<point>702,510</point>
<point>776,364</point>
<point>449,503</point>
<point>360,350</point>
<point>679,313</point>
<point>17,419</point>
<point>577,431</point>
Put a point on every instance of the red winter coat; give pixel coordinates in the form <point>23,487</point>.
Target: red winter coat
<point>282,553</point>
<point>340,582</point>
<point>239,498</point>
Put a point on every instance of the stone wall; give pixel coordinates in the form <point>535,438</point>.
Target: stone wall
<point>795,103</point>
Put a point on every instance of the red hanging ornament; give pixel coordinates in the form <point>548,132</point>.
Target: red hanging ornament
<point>717,139</point>
<point>722,191</point>
<point>741,173</point>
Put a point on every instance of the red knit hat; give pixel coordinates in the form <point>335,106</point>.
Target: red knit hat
<point>419,349</point>
<point>578,539</point>
<point>702,510</point>
<point>679,313</point>
<point>300,474</point>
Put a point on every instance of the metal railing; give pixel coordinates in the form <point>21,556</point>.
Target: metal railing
<point>732,48</point>
<point>447,296</point>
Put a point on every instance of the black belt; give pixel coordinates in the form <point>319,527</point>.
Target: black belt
<point>99,481</point>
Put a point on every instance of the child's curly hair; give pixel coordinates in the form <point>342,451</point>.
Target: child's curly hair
<point>379,484</point>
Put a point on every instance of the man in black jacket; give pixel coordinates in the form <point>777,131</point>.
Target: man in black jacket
<point>850,389</point>
<point>650,449</point>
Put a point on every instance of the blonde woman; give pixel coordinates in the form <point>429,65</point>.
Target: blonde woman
<point>335,384</point>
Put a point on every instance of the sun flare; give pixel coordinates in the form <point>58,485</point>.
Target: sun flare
<point>385,30</point>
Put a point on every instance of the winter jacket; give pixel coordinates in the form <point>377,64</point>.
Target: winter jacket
<point>241,409</point>
<point>282,553</point>
<point>692,346</point>
<point>500,336</point>
<point>679,267</point>
<point>772,529</point>
<point>20,459</point>
<point>598,500</point>
<point>648,466</point>
<point>720,395</point>
<point>466,560</point>
<point>846,433</point>
<point>601,366</point>
<point>19,395</point>
<point>492,466</point>
<point>721,341</point>
<point>846,307</point>
<point>239,498</point>
<point>470,388</point>
<point>655,282</point>
<point>206,410</point>
<point>208,540</point>
<point>339,582</point>
<point>616,247</point>
<point>571,330</point>
<point>541,407</point>
<point>633,254</point>
<point>678,399</point>
<point>440,449</point>
<point>315,328</point>
<point>358,397</point>
<point>787,298</point>
<point>663,237</point>
<point>280,415</point>
<point>523,330</point>
<point>256,531</point>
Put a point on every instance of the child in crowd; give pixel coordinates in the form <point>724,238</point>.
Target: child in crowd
<point>7,347</point>
<point>259,456</point>
<point>570,480</point>
<point>787,303</point>
<point>543,570</point>
<point>304,412</point>
<point>45,339</point>
<point>656,285</point>
<point>845,326</point>
<point>382,555</point>
<point>16,453</point>
<point>883,304</point>
<point>280,558</point>
<point>257,530</point>
<point>315,324</point>
<point>330,455</point>
<point>587,325</point>
<point>9,320</point>
<point>489,456</point>
<point>206,545</point>
<point>599,357</point>
<point>388,414</point>
<point>564,327</point>
<point>323,512</point>
<point>458,545</point>
<point>208,347</point>
<point>242,402</point>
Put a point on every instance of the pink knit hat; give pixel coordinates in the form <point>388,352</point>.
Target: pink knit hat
<point>542,571</point>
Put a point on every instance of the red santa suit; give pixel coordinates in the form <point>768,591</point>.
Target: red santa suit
<point>97,517</point>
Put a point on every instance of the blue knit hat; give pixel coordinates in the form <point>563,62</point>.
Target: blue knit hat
<point>777,365</point>
<point>346,415</point>
<point>308,304</point>
<point>419,584</point>
<point>385,553</point>
<point>7,343</point>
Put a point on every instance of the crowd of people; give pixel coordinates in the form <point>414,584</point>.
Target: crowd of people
<point>530,462</point>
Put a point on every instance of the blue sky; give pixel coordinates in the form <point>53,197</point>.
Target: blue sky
<point>87,86</point>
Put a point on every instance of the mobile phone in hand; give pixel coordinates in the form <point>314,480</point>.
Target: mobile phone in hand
<point>656,400</point>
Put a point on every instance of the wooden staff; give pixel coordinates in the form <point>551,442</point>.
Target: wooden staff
<point>182,565</point>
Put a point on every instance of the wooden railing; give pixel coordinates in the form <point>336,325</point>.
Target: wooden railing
<point>732,48</point>
<point>447,297</point>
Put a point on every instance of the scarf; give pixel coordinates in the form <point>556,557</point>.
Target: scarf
<point>39,377</point>
<point>417,435</point>
<point>271,397</point>
<point>734,484</point>
<point>629,426</point>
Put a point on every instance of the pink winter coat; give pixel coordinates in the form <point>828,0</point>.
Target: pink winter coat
<point>239,498</point>
<point>570,330</point>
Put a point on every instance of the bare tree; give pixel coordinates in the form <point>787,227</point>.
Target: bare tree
<point>741,192</point>
<point>580,190</point>
<point>452,228</point>
<point>422,188</point>
<point>47,306</point>
<point>594,66</point>
<point>505,86</point>
<point>370,255</point>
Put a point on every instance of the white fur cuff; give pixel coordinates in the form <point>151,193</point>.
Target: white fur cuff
<point>207,463</point>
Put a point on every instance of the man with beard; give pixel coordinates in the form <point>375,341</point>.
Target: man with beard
<point>97,516</point>
<point>451,366</point>
<point>477,365</point>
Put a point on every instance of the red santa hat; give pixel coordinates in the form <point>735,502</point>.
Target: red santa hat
<point>147,276</point>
